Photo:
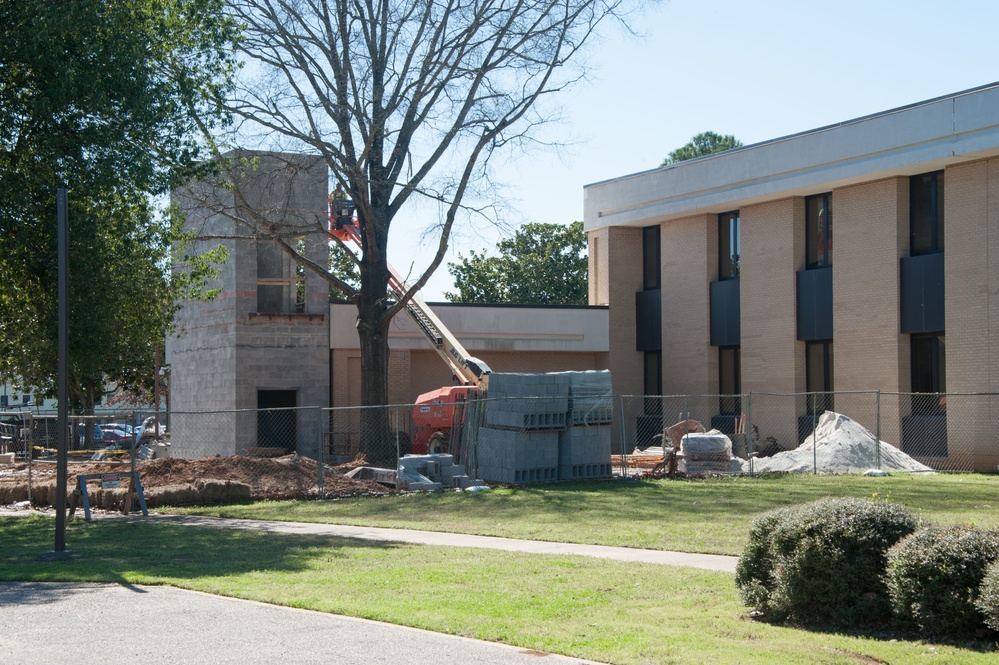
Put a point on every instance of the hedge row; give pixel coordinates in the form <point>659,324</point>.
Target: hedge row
<point>852,562</point>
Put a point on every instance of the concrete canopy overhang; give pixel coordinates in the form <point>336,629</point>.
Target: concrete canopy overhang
<point>482,328</point>
<point>919,138</point>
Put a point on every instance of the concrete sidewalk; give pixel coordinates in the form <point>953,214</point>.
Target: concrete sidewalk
<point>705,561</point>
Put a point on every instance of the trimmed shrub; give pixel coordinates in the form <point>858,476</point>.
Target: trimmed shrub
<point>822,562</point>
<point>988,596</point>
<point>933,577</point>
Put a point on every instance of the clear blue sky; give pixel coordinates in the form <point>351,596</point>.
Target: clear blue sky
<point>758,70</point>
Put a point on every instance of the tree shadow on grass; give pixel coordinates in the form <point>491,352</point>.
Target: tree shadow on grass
<point>124,552</point>
<point>985,644</point>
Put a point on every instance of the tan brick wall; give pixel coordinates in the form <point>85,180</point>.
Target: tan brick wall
<point>624,275</point>
<point>596,245</point>
<point>689,264</point>
<point>773,249</point>
<point>870,235</point>
<point>971,255</point>
<point>773,360</point>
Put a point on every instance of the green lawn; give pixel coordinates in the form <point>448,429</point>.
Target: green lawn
<point>602,610</point>
<point>710,516</point>
<point>591,608</point>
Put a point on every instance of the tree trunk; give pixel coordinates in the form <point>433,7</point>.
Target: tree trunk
<point>372,330</point>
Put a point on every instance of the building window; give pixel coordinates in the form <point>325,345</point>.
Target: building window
<point>819,375</point>
<point>728,245</point>
<point>651,261</point>
<point>929,365</point>
<point>818,231</point>
<point>729,380</point>
<point>653,382</point>
<point>280,280</point>
<point>926,213</point>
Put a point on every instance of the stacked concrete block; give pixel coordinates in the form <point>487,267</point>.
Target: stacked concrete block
<point>432,472</point>
<point>546,427</point>
<point>590,400</point>
<point>527,401</point>
<point>518,456</point>
<point>584,452</point>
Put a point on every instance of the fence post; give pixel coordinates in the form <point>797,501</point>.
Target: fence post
<point>321,480</point>
<point>749,437</point>
<point>877,427</point>
<point>815,454</point>
<point>623,446</point>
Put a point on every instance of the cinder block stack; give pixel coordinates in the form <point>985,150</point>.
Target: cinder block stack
<point>545,427</point>
<point>524,414</point>
<point>431,473</point>
<point>518,456</point>
<point>585,445</point>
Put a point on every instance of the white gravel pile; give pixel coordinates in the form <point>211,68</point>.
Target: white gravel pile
<point>838,445</point>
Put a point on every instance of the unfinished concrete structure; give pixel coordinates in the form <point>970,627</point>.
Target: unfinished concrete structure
<point>264,342</point>
<point>719,275</point>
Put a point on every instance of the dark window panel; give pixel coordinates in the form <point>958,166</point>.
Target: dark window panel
<point>729,245</point>
<point>818,231</point>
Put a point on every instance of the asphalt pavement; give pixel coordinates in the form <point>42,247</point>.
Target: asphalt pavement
<point>96,624</point>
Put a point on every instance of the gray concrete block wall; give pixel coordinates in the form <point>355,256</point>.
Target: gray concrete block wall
<point>529,434</point>
<point>225,350</point>
<point>584,452</point>
<point>511,456</point>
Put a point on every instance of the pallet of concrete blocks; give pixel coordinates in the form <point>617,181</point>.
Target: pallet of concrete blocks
<point>584,452</point>
<point>517,456</point>
<point>527,401</point>
<point>705,453</point>
<point>590,401</point>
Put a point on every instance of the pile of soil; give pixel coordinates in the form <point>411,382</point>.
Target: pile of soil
<point>180,482</point>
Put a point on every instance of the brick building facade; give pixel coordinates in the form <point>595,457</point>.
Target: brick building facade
<point>862,256</point>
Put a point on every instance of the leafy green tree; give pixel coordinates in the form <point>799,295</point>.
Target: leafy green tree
<point>101,97</point>
<point>543,264</point>
<point>705,143</point>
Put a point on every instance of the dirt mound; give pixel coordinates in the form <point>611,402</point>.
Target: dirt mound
<point>179,481</point>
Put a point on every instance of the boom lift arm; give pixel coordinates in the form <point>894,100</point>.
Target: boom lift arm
<point>470,371</point>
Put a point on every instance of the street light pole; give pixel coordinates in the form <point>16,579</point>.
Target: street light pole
<point>63,388</point>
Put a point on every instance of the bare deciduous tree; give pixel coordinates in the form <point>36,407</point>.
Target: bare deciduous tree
<point>404,100</point>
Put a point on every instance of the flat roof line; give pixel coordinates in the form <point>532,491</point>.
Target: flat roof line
<point>870,116</point>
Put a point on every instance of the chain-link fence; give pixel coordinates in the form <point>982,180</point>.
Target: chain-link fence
<point>539,438</point>
<point>833,432</point>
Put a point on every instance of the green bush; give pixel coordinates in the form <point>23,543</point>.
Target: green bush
<point>988,596</point>
<point>822,561</point>
<point>933,577</point>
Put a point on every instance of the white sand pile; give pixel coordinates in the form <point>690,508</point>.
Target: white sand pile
<point>838,445</point>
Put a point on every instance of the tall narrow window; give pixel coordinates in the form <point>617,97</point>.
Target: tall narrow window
<point>653,382</point>
<point>729,380</point>
<point>280,280</point>
<point>651,262</point>
<point>819,375</point>
<point>929,364</point>
<point>300,278</point>
<point>818,231</point>
<point>926,213</point>
<point>728,245</point>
